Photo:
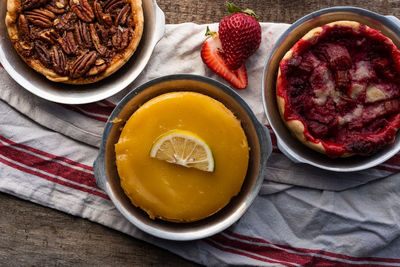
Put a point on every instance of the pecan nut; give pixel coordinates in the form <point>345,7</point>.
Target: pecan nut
<point>40,17</point>
<point>99,66</point>
<point>64,21</point>
<point>82,9</point>
<point>57,7</point>
<point>96,41</point>
<point>43,55</point>
<point>110,5</point>
<point>68,43</point>
<point>120,39</point>
<point>31,4</point>
<point>100,15</point>
<point>58,59</point>
<point>122,15</point>
<point>61,3</point>
<point>23,27</point>
<point>82,64</point>
<point>102,32</point>
<point>82,34</point>
<point>50,36</point>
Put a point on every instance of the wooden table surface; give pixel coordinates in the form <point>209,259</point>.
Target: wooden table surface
<point>35,235</point>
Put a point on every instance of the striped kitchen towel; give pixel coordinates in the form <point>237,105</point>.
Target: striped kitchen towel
<point>302,216</point>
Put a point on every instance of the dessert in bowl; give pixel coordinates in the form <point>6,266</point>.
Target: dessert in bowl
<point>173,195</point>
<point>177,192</point>
<point>66,93</point>
<point>358,114</point>
<point>75,41</point>
<point>338,89</point>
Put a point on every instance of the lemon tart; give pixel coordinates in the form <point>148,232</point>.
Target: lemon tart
<point>160,141</point>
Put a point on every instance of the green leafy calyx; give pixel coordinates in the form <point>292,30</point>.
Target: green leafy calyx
<point>209,32</point>
<point>232,8</point>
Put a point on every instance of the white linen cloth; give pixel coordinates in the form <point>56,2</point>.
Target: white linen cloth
<point>302,216</point>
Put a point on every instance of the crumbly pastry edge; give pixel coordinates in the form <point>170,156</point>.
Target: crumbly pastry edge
<point>14,8</point>
<point>296,127</point>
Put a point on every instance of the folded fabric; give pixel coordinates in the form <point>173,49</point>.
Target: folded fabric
<point>303,215</point>
<point>178,52</point>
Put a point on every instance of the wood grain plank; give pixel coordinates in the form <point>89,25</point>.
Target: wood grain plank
<point>32,235</point>
<point>286,11</point>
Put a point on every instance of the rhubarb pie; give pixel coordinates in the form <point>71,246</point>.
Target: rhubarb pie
<point>338,89</point>
<point>75,41</point>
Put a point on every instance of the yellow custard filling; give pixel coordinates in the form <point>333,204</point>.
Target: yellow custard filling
<point>173,192</point>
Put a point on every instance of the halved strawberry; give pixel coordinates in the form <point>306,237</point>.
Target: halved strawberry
<point>213,56</point>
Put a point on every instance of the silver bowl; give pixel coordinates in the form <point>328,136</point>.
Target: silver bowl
<point>154,27</point>
<point>258,137</point>
<point>288,144</point>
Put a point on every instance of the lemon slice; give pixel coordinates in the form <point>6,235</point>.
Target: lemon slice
<point>183,148</point>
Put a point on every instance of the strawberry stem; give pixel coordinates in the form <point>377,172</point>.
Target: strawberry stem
<point>232,8</point>
<point>209,32</point>
<point>251,13</point>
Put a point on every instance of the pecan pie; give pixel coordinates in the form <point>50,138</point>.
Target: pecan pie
<point>338,89</point>
<point>75,41</point>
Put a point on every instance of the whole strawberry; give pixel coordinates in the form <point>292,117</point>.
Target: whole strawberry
<point>240,35</point>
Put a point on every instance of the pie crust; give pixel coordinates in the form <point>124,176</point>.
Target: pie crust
<point>75,41</point>
<point>338,89</point>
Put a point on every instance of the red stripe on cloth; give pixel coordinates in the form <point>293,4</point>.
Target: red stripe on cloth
<point>270,252</point>
<point>277,253</point>
<point>95,108</point>
<point>320,252</point>
<point>276,150</point>
<point>1,66</point>
<point>108,103</point>
<point>386,168</point>
<point>237,252</point>
<point>395,160</point>
<point>48,166</point>
<point>273,139</point>
<point>48,155</point>
<point>272,134</point>
<point>53,179</point>
<point>75,109</point>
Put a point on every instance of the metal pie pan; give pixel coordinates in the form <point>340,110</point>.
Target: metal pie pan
<point>287,143</point>
<point>258,138</point>
<point>154,27</point>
